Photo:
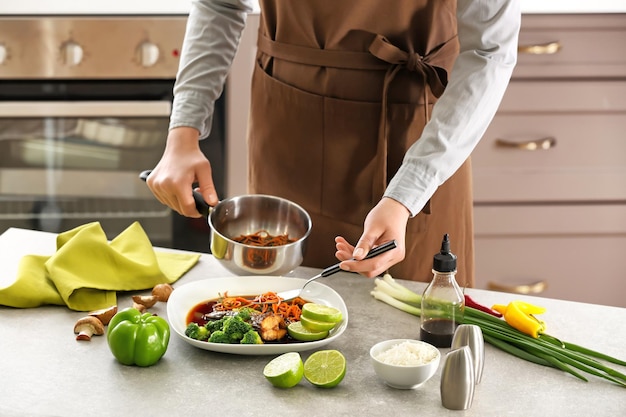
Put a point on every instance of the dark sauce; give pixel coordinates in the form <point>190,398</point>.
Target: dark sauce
<point>199,314</point>
<point>438,332</point>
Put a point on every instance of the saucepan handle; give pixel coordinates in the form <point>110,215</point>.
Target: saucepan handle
<point>201,205</point>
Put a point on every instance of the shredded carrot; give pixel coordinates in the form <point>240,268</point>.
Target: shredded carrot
<point>263,238</point>
<point>231,303</point>
<point>268,301</point>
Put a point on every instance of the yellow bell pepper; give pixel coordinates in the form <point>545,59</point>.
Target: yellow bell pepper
<point>519,314</point>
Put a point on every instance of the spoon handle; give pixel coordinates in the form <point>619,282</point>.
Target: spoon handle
<point>372,253</point>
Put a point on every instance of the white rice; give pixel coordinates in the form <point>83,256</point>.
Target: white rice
<point>407,354</point>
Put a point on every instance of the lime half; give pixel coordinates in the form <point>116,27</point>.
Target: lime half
<point>316,325</point>
<point>284,371</point>
<point>321,312</point>
<point>303,334</point>
<point>325,368</point>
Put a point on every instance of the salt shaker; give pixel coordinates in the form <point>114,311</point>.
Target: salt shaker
<point>472,336</point>
<point>457,379</point>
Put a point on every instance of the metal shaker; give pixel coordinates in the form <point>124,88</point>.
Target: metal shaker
<point>472,336</point>
<point>457,379</point>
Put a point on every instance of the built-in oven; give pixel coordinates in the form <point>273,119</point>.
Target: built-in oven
<point>84,108</point>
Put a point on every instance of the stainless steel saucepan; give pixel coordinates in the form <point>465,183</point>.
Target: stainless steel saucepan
<point>250,214</point>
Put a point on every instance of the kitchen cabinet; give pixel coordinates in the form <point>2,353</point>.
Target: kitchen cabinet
<point>550,172</point>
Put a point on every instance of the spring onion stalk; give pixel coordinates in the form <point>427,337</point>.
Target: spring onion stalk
<point>584,350</point>
<point>545,350</point>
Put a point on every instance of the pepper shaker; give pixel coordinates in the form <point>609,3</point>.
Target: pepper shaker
<point>457,379</point>
<point>472,336</point>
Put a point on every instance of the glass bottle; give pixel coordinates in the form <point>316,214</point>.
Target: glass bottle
<point>443,302</point>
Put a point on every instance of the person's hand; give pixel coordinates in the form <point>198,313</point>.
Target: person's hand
<point>385,222</point>
<point>182,164</point>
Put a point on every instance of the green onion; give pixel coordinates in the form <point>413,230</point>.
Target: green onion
<point>545,350</point>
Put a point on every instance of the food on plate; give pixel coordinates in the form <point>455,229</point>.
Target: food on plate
<point>137,338</point>
<point>263,238</point>
<point>88,326</point>
<point>299,332</point>
<point>316,321</point>
<point>273,327</point>
<point>264,318</point>
<point>321,312</point>
<point>284,371</point>
<point>316,325</point>
<point>325,368</point>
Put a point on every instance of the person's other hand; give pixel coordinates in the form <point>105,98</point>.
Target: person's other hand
<point>386,221</point>
<point>182,165</point>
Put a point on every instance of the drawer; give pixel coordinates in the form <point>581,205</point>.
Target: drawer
<point>576,268</point>
<point>549,220</point>
<point>536,151</point>
<point>558,250</point>
<point>571,46</point>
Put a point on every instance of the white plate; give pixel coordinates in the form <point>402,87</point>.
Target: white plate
<point>187,296</point>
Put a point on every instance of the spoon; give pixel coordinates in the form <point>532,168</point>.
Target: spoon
<point>290,294</point>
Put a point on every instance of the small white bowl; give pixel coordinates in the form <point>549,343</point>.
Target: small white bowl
<point>404,376</point>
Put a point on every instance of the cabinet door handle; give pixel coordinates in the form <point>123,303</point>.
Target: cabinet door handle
<point>534,288</point>
<point>549,48</point>
<point>530,145</point>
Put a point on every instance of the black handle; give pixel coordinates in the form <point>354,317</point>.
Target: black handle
<point>374,252</point>
<point>201,205</point>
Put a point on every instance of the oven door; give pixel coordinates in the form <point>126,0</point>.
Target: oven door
<point>65,163</point>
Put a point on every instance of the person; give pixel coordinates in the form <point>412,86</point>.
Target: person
<point>343,119</point>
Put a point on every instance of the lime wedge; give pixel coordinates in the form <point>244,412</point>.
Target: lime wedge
<point>316,325</point>
<point>321,312</point>
<point>325,368</point>
<point>299,332</point>
<point>284,371</point>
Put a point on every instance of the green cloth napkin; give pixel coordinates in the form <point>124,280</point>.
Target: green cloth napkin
<point>86,271</point>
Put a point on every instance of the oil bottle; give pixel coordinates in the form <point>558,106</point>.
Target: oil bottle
<point>443,302</point>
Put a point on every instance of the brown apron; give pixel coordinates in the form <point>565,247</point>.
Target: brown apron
<point>340,91</point>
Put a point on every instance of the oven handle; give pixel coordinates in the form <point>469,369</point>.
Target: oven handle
<point>98,109</point>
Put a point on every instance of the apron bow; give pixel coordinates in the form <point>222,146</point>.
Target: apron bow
<point>435,76</point>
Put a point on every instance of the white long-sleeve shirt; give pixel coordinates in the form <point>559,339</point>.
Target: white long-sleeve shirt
<point>487,30</point>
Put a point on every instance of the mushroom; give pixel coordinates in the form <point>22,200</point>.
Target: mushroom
<point>87,327</point>
<point>105,315</point>
<point>140,307</point>
<point>145,300</point>
<point>162,292</point>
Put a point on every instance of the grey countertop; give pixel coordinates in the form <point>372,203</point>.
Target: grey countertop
<point>44,371</point>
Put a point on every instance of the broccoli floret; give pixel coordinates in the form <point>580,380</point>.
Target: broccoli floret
<point>197,332</point>
<point>235,328</point>
<point>245,313</point>
<point>215,325</point>
<point>251,338</point>
<point>219,336</point>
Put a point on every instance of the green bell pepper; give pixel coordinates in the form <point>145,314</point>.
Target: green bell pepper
<point>138,339</point>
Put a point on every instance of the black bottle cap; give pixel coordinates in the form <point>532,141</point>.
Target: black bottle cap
<point>445,261</point>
